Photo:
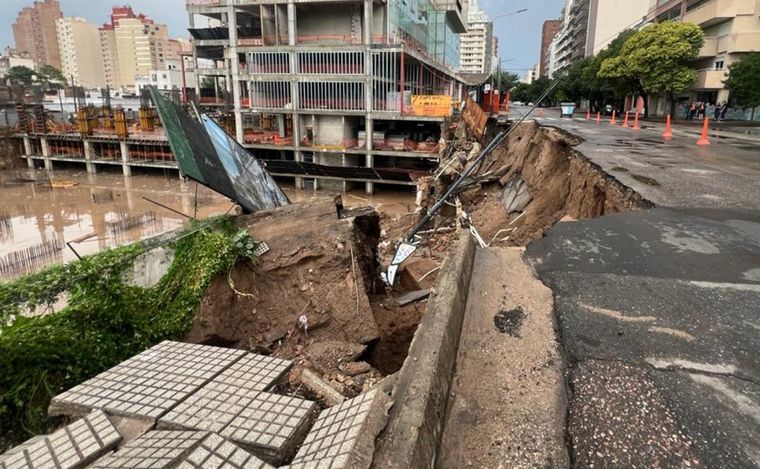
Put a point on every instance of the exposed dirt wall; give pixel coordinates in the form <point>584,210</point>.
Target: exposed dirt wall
<point>562,182</point>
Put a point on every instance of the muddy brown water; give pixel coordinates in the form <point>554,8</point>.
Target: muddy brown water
<point>106,210</point>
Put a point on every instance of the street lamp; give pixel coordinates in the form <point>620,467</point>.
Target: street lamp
<point>509,14</point>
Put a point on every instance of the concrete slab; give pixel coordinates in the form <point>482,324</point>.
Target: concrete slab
<point>160,449</point>
<point>507,403</point>
<point>73,446</point>
<point>215,452</point>
<point>219,402</point>
<point>271,426</point>
<point>148,384</point>
<point>344,435</point>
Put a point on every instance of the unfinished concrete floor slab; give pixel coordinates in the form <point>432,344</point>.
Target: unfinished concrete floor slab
<point>73,446</point>
<point>507,402</point>
<point>149,384</point>
<point>344,435</point>
<point>160,449</point>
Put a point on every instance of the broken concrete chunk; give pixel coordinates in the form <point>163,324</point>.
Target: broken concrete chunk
<point>73,446</point>
<point>344,436</point>
<point>326,356</point>
<point>412,296</point>
<point>148,384</point>
<point>187,449</point>
<point>516,195</point>
<point>355,368</point>
<point>318,386</point>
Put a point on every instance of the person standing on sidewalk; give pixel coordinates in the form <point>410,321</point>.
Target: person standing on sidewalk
<point>701,111</point>
<point>716,112</point>
<point>692,111</point>
<point>723,110</point>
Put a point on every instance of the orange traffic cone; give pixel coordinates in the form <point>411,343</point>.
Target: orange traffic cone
<point>588,115</point>
<point>598,118</point>
<point>703,139</point>
<point>636,121</point>
<point>613,121</point>
<point>625,120</point>
<point>668,130</point>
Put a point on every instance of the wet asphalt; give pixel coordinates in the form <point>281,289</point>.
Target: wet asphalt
<point>658,311</point>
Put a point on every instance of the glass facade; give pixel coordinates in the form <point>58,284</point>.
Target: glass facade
<point>420,24</point>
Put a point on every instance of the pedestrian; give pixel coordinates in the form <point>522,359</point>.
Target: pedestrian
<point>716,112</point>
<point>692,110</point>
<point>723,110</point>
<point>701,111</point>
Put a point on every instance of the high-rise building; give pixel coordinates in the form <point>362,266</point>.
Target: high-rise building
<point>81,58</point>
<point>732,29</point>
<point>332,94</point>
<point>476,49</point>
<point>608,18</point>
<point>548,31</point>
<point>133,45</point>
<point>34,32</point>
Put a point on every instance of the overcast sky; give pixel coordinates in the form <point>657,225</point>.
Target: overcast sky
<point>519,35</point>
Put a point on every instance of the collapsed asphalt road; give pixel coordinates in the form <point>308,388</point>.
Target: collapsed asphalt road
<point>659,319</point>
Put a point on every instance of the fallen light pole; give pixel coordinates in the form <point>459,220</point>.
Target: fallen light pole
<point>407,247</point>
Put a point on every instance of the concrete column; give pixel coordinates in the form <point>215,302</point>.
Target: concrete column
<point>191,22</point>
<point>281,124</point>
<point>46,153</point>
<point>125,168</point>
<point>28,152</point>
<point>88,150</point>
<point>292,23</point>
<point>235,72</point>
<point>369,128</point>
<point>368,20</point>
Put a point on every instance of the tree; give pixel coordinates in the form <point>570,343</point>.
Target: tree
<point>521,93</point>
<point>20,73</point>
<point>49,73</point>
<point>657,59</point>
<point>743,81</point>
<point>508,80</point>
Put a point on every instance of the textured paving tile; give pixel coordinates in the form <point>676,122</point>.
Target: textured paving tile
<point>219,402</point>
<point>217,452</point>
<point>72,446</point>
<point>159,449</point>
<point>271,425</point>
<point>344,435</point>
<point>150,383</point>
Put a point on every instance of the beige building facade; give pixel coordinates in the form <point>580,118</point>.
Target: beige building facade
<point>732,29</point>
<point>140,47</point>
<point>34,32</point>
<point>608,18</point>
<point>81,58</point>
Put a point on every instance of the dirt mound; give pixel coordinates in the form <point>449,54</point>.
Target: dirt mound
<point>317,268</point>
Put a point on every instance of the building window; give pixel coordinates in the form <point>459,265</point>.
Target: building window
<point>719,64</point>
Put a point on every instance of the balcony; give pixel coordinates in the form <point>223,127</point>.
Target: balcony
<point>745,41</point>
<point>710,79</point>
<point>717,11</point>
<point>709,49</point>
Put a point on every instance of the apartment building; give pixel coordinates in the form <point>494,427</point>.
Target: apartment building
<point>81,59</point>
<point>132,45</point>
<point>170,78</point>
<point>732,29</point>
<point>548,31</point>
<point>477,53</point>
<point>332,94</point>
<point>34,32</point>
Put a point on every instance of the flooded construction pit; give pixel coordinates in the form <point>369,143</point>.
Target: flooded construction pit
<point>91,211</point>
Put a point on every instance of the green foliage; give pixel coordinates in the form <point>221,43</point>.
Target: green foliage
<point>657,58</point>
<point>20,73</point>
<point>50,73</point>
<point>105,321</point>
<point>530,93</point>
<point>744,80</point>
<point>508,80</point>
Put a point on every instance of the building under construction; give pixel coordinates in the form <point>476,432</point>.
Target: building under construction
<point>332,93</point>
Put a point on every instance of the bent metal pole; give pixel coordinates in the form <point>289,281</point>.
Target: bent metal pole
<point>466,173</point>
